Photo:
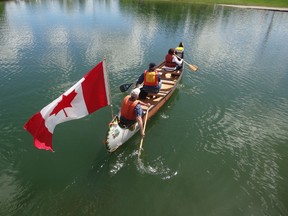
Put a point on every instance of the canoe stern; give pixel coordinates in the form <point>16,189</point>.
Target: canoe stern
<point>116,135</point>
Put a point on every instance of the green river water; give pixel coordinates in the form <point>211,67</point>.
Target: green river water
<point>219,146</point>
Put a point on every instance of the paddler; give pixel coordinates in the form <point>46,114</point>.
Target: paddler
<point>151,79</point>
<point>131,110</point>
<point>172,62</point>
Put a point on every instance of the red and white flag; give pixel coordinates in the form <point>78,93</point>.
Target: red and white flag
<point>89,94</point>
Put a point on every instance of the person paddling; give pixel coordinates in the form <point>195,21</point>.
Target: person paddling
<point>131,110</point>
<point>171,61</point>
<point>151,80</point>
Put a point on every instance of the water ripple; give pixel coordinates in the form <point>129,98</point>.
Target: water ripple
<point>156,167</point>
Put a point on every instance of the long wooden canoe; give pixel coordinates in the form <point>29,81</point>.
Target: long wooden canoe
<point>117,135</point>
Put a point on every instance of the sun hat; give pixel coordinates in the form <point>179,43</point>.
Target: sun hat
<point>135,92</point>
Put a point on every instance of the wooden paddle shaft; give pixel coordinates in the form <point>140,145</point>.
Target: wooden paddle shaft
<point>142,139</point>
<point>192,67</point>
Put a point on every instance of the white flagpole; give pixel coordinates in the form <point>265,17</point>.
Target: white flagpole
<point>108,86</point>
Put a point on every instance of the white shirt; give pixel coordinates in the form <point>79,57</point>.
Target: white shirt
<point>175,59</point>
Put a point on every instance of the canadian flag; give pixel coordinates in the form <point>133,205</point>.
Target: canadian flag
<point>89,94</point>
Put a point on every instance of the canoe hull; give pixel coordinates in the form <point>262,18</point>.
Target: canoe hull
<point>117,135</point>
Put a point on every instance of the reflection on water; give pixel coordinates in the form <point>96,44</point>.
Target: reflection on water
<point>220,143</point>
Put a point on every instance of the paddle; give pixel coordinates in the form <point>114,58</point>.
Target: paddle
<point>191,67</point>
<point>125,87</point>
<point>142,139</point>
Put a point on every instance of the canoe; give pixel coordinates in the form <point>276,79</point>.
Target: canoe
<point>117,135</point>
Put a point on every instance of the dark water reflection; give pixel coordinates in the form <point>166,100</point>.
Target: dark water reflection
<point>218,147</point>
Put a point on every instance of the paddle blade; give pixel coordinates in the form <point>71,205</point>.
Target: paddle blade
<point>125,87</point>
<point>193,67</point>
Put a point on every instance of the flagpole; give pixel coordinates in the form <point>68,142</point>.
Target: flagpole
<point>111,106</point>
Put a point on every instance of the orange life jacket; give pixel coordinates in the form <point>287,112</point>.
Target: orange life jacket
<point>127,109</point>
<point>168,61</point>
<point>150,78</point>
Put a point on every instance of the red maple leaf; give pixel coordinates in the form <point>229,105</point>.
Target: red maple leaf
<point>64,103</point>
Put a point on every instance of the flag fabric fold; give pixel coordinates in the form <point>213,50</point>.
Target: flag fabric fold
<point>89,94</point>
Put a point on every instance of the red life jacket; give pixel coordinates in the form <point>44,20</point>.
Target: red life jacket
<point>168,61</point>
<point>127,109</point>
<point>150,78</point>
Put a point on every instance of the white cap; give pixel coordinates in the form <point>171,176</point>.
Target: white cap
<point>135,92</point>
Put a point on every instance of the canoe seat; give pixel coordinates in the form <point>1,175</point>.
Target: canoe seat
<point>152,94</point>
<point>161,94</point>
<point>176,73</point>
<point>168,69</point>
<point>170,74</point>
<point>168,82</point>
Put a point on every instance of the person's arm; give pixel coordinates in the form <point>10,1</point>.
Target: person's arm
<point>175,59</point>
<point>139,113</point>
<point>140,123</point>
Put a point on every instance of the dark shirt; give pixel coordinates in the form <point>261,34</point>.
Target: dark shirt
<point>149,88</point>
<point>138,110</point>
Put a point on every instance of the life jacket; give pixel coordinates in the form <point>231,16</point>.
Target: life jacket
<point>150,78</point>
<point>179,51</point>
<point>127,109</point>
<point>168,61</point>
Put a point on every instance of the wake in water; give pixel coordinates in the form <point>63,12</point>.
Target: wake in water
<point>156,167</point>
